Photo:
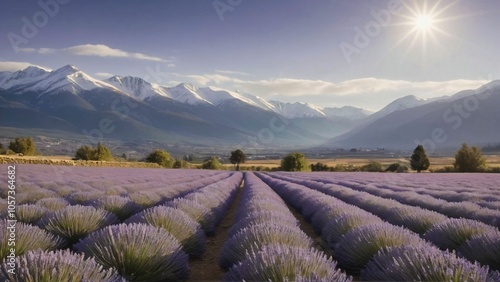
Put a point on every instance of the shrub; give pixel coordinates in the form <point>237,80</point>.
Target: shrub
<point>122,207</point>
<point>181,164</point>
<point>340,225</point>
<point>255,218</point>
<point>484,248</point>
<point>421,263</point>
<point>295,162</point>
<point>196,211</point>
<point>212,163</point>
<point>452,233</point>
<point>160,157</point>
<point>286,263</point>
<point>372,167</point>
<point>52,204</point>
<point>75,222</point>
<point>145,199</point>
<point>359,245</point>
<point>416,219</point>
<point>57,266</point>
<point>27,238</point>
<point>257,236</point>
<point>100,153</point>
<point>84,198</point>
<point>23,145</point>
<point>139,252</point>
<point>30,214</point>
<point>177,223</point>
<point>396,167</point>
<point>469,159</point>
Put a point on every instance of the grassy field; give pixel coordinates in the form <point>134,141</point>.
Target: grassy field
<point>436,162</point>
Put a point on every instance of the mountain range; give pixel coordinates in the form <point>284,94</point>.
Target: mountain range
<point>68,102</point>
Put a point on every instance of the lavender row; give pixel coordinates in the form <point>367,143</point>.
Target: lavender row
<point>479,189</point>
<point>266,243</point>
<point>445,233</point>
<point>358,238</point>
<point>380,201</point>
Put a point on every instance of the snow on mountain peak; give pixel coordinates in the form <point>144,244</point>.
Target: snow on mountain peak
<point>137,87</point>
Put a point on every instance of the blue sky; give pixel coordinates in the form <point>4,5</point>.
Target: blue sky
<point>292,50</point>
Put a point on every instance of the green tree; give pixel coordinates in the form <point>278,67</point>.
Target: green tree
<point>237,157</point>
<point>319,167</point>
<point>295,162</point>
<point>469,159</point>
<point>161,157</point>
<point>419,160</point>
<point>86,153</point>
<point>180,164</point>
<point>23,145</point>
<point>212,163</point>
<point>372,166</point>
<point>2,149</point>
<point>103,153</point>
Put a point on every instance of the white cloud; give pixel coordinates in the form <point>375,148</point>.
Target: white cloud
<point>372,93</point>
<point>97,50</point>
<point>232,72</point>
<point>15,66</point>
<point>101,50</point>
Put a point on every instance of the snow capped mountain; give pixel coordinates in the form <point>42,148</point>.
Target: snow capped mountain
<point>67,78</point>
<point>348,112</point>
<point>71,79</point>
<point>403,103</point>
<point>297,110</point>
<point>137,87</point>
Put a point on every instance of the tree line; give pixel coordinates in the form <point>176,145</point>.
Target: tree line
<point>467,159</point>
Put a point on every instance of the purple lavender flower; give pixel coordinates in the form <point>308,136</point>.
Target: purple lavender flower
<point>75,222</point>
<point>286,263</point>
<point>452,233</point>
<point>53,204</point>
<point>484,248</point>
<point>27,238</point>
<point>122,207</point>
<point>358,246</point>
<point>177,223</point>
<point>196,211</point>
<point>421,263</point>
<point>139,252</point>
<point>255,237</point>
<point>58,266</point>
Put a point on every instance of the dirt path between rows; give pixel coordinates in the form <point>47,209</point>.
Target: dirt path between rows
<point>207,268</point>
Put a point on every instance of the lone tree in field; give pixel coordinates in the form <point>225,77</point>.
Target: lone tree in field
<point>23,145</point>
<point>212,163</point>
<point>419,160</point>
<point>469,159</point>
<point>161,157</point>
<point>237,157</point>
<point>103,153</point>
<point>295,162</point>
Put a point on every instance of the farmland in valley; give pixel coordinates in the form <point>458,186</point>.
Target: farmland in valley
<point>123,224</point>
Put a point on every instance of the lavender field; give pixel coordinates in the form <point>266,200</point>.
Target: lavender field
<point>114,224</point>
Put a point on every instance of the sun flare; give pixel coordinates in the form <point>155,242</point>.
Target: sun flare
<point>424,22</point>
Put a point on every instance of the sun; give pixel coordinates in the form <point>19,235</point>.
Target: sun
<point>424,22</point>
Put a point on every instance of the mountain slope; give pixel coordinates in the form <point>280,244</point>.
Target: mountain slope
<point>444,123</point>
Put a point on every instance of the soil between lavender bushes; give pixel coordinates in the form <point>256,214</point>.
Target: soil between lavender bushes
<point>207,268</point>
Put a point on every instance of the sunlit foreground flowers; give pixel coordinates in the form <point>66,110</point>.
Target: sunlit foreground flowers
<point>58,266</point>
<point>27,238</point>
<point>139,252</point>
<point>286,263</point>
<point>75,222</point>
<point>422,263</point>
<point>177,223</point>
